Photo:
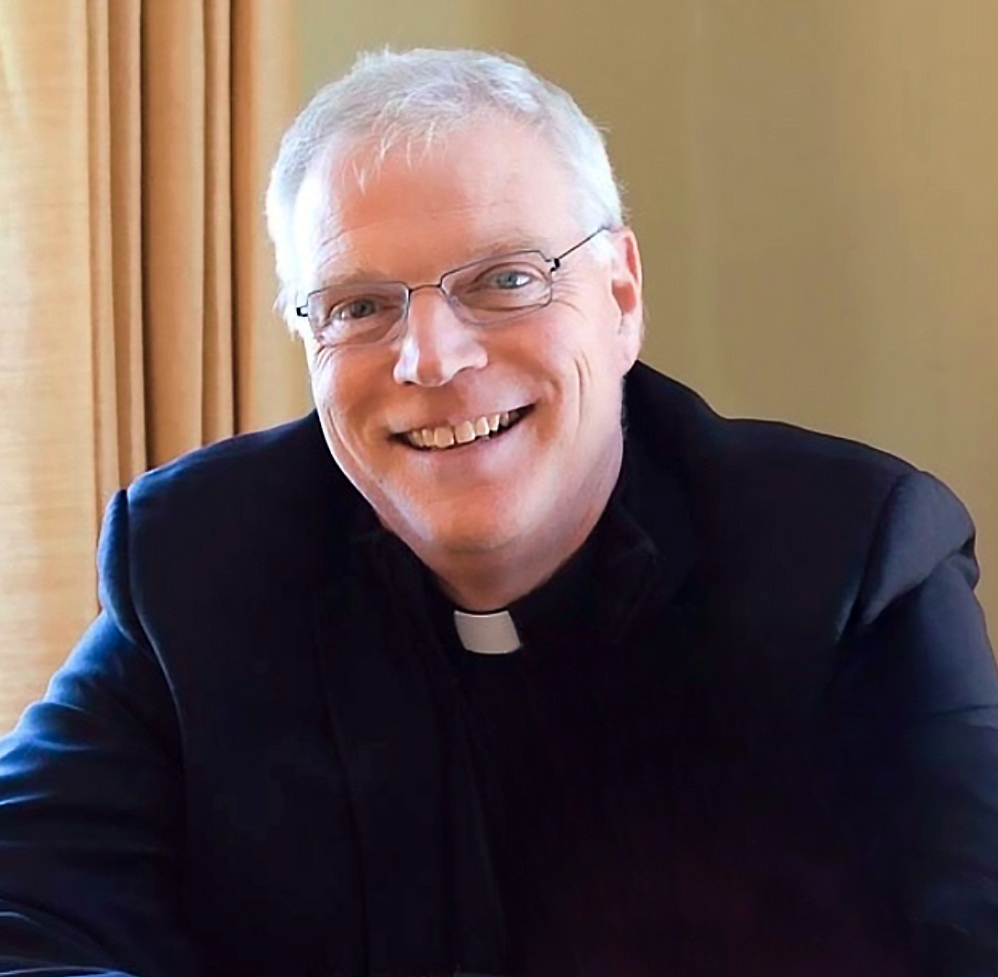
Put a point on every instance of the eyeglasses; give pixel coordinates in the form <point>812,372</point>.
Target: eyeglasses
<point>483,292</point>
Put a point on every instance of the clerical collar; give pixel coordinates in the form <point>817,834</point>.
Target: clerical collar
<point>487,634</point>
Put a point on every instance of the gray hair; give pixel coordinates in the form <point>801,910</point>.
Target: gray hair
<point>410,99</point>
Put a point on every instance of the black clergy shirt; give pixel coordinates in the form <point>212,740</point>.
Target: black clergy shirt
<point>616,838</point>
<point>534,718</point>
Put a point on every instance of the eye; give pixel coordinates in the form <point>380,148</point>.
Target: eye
<point>510,278</point>
<point>357,308</point>
<point>502,286</point>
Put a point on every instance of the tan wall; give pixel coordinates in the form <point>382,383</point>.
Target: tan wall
<point>815,186</point>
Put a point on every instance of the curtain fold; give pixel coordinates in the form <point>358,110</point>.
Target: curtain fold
<point>136,281</point>
<point>48,499</point>
<point>270,380</point>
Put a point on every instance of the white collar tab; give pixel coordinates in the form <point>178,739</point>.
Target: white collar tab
<point>487,634</point>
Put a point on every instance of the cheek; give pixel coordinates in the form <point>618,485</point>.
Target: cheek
<point>599,364</point>
<point>343,391</point>
<point>592,357</point>
<point>327,386</point>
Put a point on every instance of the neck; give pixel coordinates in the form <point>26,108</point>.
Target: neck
<point>482,582</point>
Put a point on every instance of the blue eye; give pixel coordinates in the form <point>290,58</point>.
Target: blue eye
<point>508,278</point>
<point>511,278</point>
<point>361,308</point>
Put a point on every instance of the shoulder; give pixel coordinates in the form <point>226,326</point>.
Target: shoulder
<point>691,434</point>
<point>252,485</point>
<point>254,514</point>
<point>790,520</point>
<point>263,465</point>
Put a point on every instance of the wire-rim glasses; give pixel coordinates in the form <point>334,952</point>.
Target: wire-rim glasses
<point>482,292</point>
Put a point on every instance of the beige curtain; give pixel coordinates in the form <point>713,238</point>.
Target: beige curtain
<point>136,280</point>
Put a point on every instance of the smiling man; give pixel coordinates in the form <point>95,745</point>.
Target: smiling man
<point>463,673</point>
<point>480,418</point>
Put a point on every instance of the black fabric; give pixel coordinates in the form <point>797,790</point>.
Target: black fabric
<point>262,759</point>
<point>571,830</point>
<point>531,718</point>
<point>536,719</point>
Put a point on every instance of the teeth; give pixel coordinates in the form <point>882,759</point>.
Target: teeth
<point>443,437</point>
<point>463,433</point>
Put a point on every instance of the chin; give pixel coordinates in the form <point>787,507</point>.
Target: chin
<point>466,533</point>
<point>467,538</point>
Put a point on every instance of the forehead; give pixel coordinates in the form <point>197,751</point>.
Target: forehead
<point>491,186</point>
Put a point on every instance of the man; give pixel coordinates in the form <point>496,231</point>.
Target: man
<point>464,674</point>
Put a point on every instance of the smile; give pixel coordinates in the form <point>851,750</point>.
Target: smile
<point>481,428</point>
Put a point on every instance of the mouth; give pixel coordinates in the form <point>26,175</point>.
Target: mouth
<point>488,427</point>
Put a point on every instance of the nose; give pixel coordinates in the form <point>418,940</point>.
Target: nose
<point>436,344</point>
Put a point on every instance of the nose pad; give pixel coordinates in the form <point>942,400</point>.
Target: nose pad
<point>436,344</point>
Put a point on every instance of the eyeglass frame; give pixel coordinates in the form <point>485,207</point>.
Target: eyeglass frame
<point>554,265</point>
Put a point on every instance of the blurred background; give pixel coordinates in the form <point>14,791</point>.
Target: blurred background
<point>814,186</point>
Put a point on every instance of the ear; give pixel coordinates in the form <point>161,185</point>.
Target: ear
<point>625,285</point>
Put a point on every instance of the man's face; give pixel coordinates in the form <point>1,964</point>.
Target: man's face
<point>491,188</point>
